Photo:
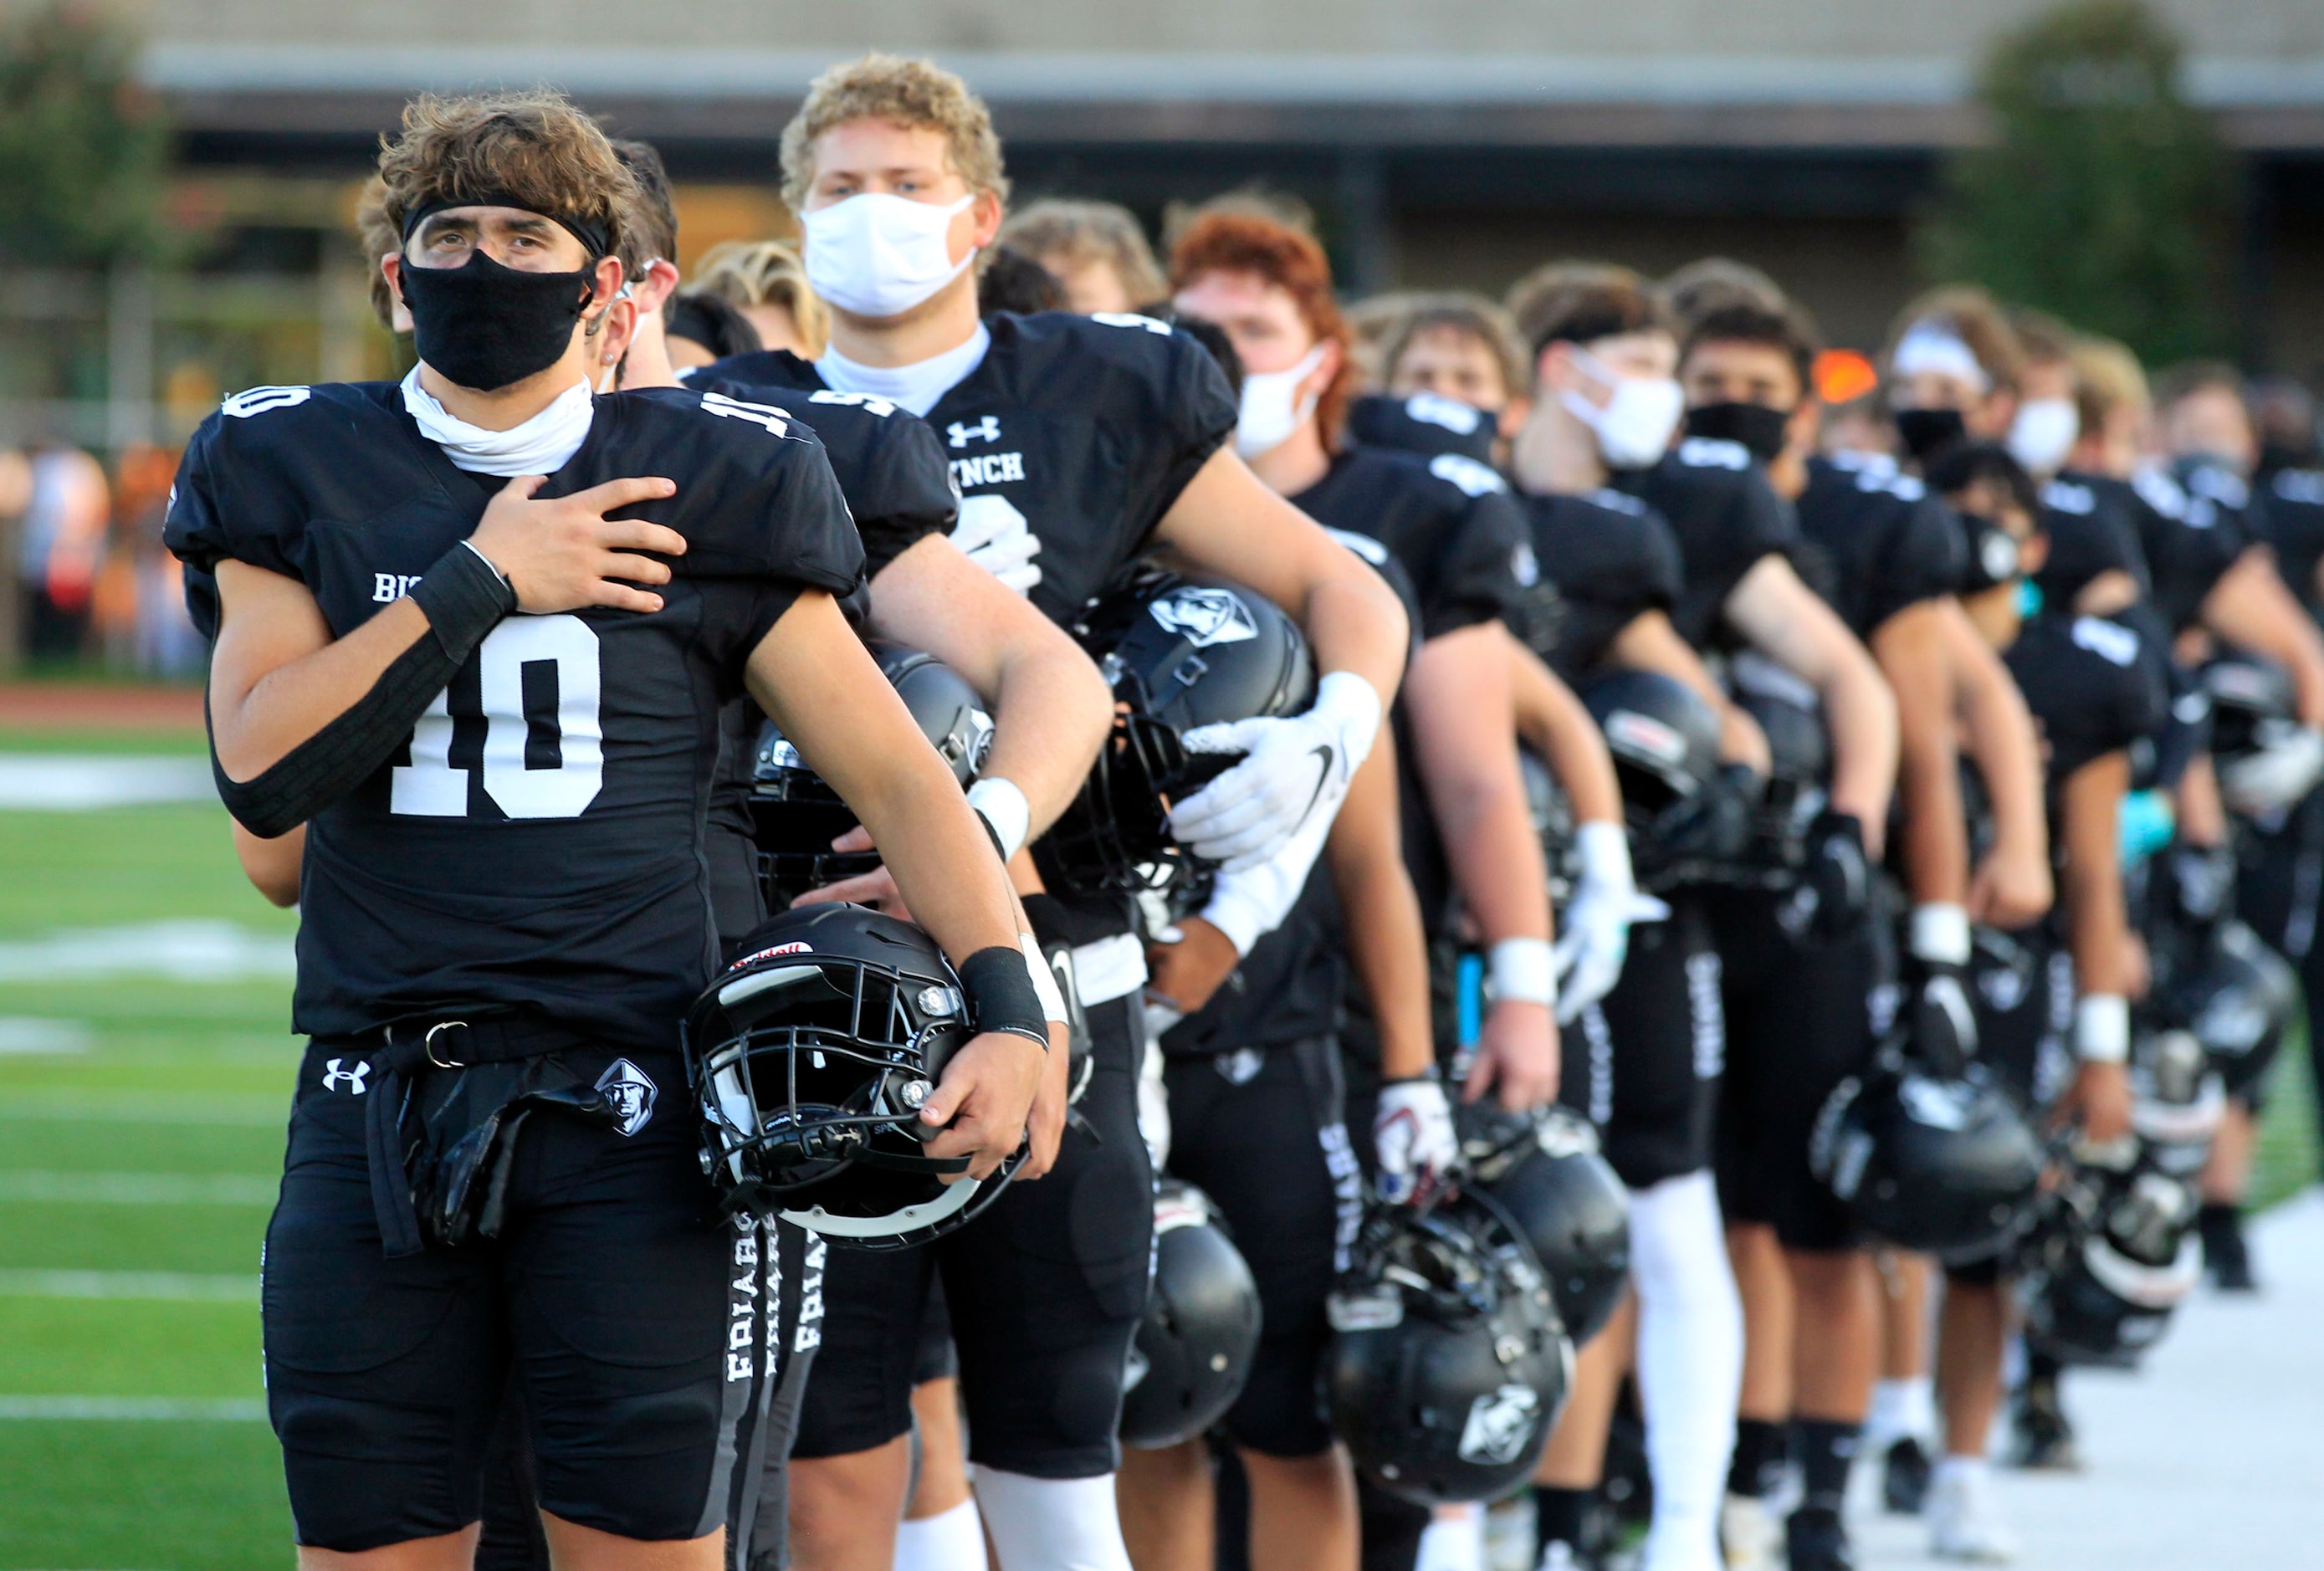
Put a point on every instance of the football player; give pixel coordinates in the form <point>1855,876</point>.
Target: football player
<point>1078,443</point>
<point>1697,560</point>
<point>1096,250</point>
<point>502,930</point>
<point>1804,1007</point>
<point>1460,347</point>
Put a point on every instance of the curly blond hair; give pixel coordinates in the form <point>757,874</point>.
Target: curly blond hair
<point>913,93</point>
<point>759,272</point>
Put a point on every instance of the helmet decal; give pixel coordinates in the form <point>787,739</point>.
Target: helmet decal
<point>1205,616</point>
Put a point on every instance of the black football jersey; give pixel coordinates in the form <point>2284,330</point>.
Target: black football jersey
<point>1450,520</point>
<point>1611,558</point>
<point>2185,543</point>
<point>539,843</point>
<point>1084,428</point>
<point>1726,518</point>
<point>1426,423</point>
<point>2092,688</point>
<point>2290,517</point>
<point>1874,541</point>
<point>891,470</point>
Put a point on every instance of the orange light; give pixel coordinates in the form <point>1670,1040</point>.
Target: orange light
<point>1844,376</point>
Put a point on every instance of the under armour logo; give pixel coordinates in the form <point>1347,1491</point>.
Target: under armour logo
<point>352,1078</point>
<point>987,429</point>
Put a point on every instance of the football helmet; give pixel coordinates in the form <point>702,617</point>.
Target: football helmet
<point>796,816</point>
<point>2265,757</point>
<point>1194,1346</point>
<point>1447,1364</point>
<point>810,1057</point>
<point>1551,812</point>
<point>2117,1253</point>
<point>1544,1170</point>
<point>2238,1001</point>
<point>2177,1099</point>
<point>1944,1164</point>
<point>1178,653</point>
<point>1799,759</point>
<point>1690,817</point>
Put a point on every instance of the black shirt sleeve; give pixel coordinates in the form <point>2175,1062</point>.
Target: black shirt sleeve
<point>1198,415</point>
<point>2089,682</point>
<point>907,494</point>
<point>1481,555</point>
<point>1927,557</point>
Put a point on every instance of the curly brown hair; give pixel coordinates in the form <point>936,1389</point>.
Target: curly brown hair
<point>533,148</point>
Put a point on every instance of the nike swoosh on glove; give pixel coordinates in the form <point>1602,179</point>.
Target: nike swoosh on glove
<point>1593,937</point>
<point>1295,769</point>
<point>1412,1135</point>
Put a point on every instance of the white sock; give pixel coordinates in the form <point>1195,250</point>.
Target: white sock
<point>1900,1408</point>
<point>1690,1364</point>
<point>1051,1524</point>
<point>1971,1470</point>
<point>950,1540</point>
<point>1454,1540</point>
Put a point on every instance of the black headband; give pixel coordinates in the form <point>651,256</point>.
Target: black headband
<point>592,235</point>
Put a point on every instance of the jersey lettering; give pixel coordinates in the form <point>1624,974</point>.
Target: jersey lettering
<point>1715,453</point>
<point>863,401</point>
<point>1474,479</point>
<point>1131,319</point>
<point>988,469</point>
<point>1437,409</point>
<point>544,755</point>
<point>2064,497</point>
<point>386,588</point>
<point>259,399</point>
<point>2110,640</point>
<point>1363,545</point>
<point>759,414</point>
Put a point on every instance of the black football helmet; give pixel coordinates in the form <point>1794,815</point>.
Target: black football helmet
<point>1448,1364</point>
<point>810,1057</point>
<point>796,816</point>
<point>1544,1170</point>
<point>1551,812</point>
<point>2115,1254</point>
<point>2251,696</point>
<point>1799,759</point>
<point>1179,653</point>
<point>1194,1346</point>
<point>2176,1098</point>
<point>2238,1000</point>
<point>1689,817</point>
<point>1946,1165</point>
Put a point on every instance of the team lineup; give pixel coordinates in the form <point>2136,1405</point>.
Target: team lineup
<point>980,900</point>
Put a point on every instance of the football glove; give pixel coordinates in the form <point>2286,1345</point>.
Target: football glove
<point>1412,1135</point>
<point>1594,930</point>
<point>1295,770</point>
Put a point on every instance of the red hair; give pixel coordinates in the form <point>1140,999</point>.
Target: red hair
<point>1279,255</point>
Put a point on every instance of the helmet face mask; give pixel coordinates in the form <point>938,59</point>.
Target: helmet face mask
<point>811,1058</point>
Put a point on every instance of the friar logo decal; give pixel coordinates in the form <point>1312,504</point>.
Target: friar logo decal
<point>1206,616</point>
<point>1501,1424</point>
<point>631,1092</point>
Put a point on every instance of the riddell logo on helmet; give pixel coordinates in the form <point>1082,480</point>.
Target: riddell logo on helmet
<point>794,947</point>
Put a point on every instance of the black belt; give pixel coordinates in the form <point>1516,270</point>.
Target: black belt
<point>463,1089</point>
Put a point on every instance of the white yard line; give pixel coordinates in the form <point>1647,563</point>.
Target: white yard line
<point>131,1409</point>
<point>75,783</point>
<point>186,1107</point>
<point>197,949</point>
<point>138,1189</point>
<point>181,1287</point>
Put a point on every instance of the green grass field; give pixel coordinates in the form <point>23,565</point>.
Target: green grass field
<point>175,1095</point>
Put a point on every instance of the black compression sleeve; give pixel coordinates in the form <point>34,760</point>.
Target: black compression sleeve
<point>465,599</point>
<point>1001,994</point>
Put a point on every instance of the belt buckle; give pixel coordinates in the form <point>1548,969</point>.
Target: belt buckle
<point>428,1042</point>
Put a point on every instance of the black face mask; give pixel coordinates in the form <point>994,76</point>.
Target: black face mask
<point>1754,427</point>
<point>1926,432</point>
<point>482,326</point>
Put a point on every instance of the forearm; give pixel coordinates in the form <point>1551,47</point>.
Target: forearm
<point>1557,725</point>
<point>1910,650</point>
<point>2250,607</point>
<point>2203,816</point>
<point>1863,742</point>
<point>2002,741</point>
<point>2098,919</point>
<point>1050,717</point>
<point>1463,732</point>
<point>258,714</point>
<point>940,855</point>
<point>272,865</point>
<point>1386,942</point>
<point>1355,623</point>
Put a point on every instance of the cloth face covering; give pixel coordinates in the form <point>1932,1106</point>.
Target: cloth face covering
<point>2044,433</point>
<point>1271,408</point>
<point>1634,427</point>
<point>484,327</point>
<point>880,255</point>
<point>1754,427</point>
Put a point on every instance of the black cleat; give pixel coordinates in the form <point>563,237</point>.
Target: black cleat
<point>2040,1435</point>
<point>1904,1477</point>
<point>1816,1540</point>
<point>2225,1254</point>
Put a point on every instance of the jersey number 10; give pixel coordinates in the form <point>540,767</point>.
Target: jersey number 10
<point>543,759</point>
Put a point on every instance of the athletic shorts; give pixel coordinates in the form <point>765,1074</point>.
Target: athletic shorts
<point>1644,1063</point>
<point>1045,1291</point>
<point>2022,984</point>
<point>627,1312</point>
<point>1258,1131</point>
<point>1802,1014</point>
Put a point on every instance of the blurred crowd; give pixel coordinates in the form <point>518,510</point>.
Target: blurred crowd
<point>88,582</point>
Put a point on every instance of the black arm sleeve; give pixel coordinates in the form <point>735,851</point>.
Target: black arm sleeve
<point>465,599</point>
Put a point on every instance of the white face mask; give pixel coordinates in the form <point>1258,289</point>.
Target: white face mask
<point>878,255</point>
<point>2044,433</point>
<point>1635,426</point>
<point>1272,408</point>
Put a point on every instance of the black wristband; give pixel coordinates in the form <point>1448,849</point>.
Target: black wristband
<point>1001,996</point>
<point>463,597</point>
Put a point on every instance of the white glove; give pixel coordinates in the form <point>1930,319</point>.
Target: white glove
<point>1296,770</point>
<point>2285,769</point>
<point>996,538</point>
<point>1412,1134</point>
<point>1594,935</point>
<point>1249,903</point>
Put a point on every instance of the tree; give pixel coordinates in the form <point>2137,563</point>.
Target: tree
<point>83,144</point>
<point>2105,196</point>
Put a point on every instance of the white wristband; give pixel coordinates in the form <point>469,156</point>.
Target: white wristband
<point>1941,933</point>
<point>1045,981</point>
<point>2102,1028</point>
<point>1355,704</point>
<point>1004,807</point>
<point>1524,969</point>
